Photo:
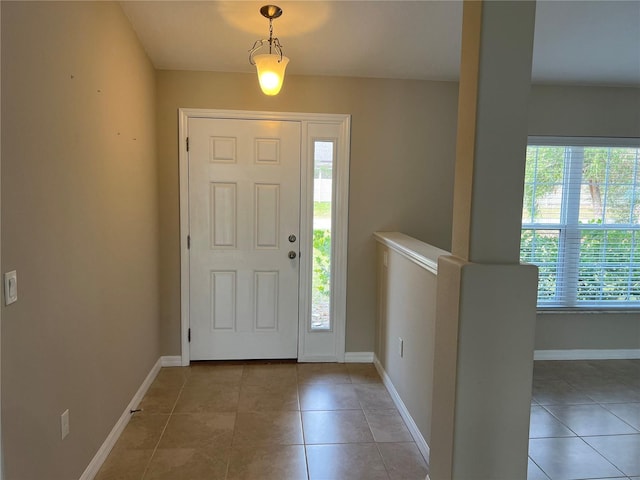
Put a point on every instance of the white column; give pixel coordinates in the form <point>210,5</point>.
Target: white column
<point>485,313</point>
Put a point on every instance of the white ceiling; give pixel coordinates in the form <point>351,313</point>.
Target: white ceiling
<point>576,42</point>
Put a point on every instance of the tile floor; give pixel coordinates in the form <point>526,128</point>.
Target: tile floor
<point>253,421</point>
<point>585,420</point>
<point>337,422</point>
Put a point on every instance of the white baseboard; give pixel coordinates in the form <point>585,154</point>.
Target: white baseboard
<point>586,354</point>
<point>404,413</point>
<point>171,361</point>
<point>102,454</point>
<point>318,359</point>
<point>358,357</point>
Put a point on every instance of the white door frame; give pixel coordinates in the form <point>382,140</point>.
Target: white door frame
<point>332,342</point>
<point>1,449</point>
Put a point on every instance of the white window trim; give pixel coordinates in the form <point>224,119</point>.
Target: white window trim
<point>326,345</point>
<point>584,141</point>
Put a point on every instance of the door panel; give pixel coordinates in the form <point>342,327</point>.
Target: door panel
<point>244,201</point>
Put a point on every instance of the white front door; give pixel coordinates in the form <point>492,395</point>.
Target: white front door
<point>244,214</point>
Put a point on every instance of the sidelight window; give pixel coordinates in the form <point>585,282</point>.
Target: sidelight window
<point>323,157</point>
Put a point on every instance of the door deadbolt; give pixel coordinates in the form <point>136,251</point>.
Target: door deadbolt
<point>292,254</point>
<point>292,238</point>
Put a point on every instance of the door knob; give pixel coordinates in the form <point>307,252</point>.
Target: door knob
<point>292,238</point>
<point>292,254</point>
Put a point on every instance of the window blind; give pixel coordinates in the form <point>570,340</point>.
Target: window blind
<point>581,221</point>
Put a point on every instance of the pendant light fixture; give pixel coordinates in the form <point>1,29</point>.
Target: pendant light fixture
<point>270,66</point>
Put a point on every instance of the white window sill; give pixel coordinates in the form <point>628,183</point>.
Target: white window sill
<point>588,310</point>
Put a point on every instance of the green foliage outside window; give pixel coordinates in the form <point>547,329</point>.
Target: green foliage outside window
<point>541,248</point>
<point>613,168</point>
<point>588,223</point>
<point>604,271</point>
<point>321,265</point>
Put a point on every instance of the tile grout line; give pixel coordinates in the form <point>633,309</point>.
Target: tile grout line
<point>187,380</point>
<point>235,423</point>
<point>541,469</point>
<point>582,437</point>
<point>637,431</point>
<point>602,455</point>
<point>559,421</point>
<point>155,449</point>
<point>620,418</point>
<point>384,463</point>
<point>605,406</point>
<point>304,438</point>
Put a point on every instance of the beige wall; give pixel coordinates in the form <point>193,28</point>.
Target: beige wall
<point>584,111</point>
<point>588,331</point>
<point>403,140</point>
<point>599,112</point>
<point>402,154</point>
<point>84,206</point>
<point>79,224</point>
<point>406,296</point>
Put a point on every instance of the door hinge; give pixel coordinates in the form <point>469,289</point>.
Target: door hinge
<point>187,144</point>
<point>189,335</point>
<point>188,242</point>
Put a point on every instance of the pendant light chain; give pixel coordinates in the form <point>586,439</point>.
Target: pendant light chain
<point>270,33</point>
<point>269,66</point>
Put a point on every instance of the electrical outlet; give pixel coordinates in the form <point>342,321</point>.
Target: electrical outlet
<point>64,424</point>
<point>400,347</point>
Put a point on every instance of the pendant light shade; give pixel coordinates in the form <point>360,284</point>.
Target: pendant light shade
<point>271,69</point>
<point>270,66</point>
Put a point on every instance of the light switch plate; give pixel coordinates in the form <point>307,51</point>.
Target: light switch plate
<point>10,287</point>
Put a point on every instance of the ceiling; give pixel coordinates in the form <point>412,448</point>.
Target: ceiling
<point>576,42</point>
